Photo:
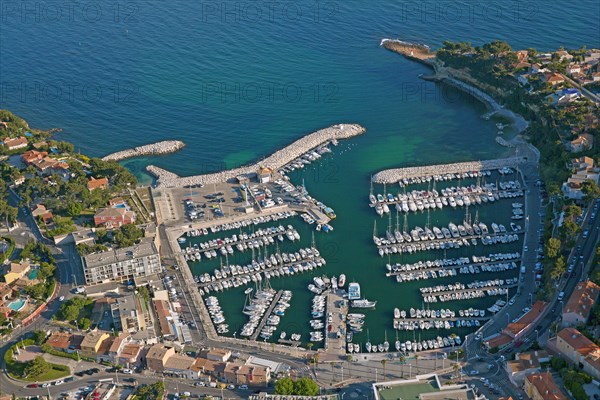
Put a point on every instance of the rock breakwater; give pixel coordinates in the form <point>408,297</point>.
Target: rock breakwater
<point>275,161</point>
<point>154,149</point>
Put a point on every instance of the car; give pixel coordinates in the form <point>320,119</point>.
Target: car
<point>88,372</point>
<point>243,387</point>
<point>187,394</point>
<point>95,370</point>
<point>61,298</point>
<point>132,380</point>
<point>474,372</point>
<point>32,385</point>
<point>482,379</point>
<point>45,385</point>
<point>59,382</point>
<point>127,371</point>
<point>511,302</point>
<point>69,379</point>
<point>526,309</point>
<point>230,387</point>
<point>80,373</point>
<point>213,384</point>
<point>200,384</point>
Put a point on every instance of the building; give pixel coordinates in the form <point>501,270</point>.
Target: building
<point>114,217</point>
<point>14,271</point>
<point>578,308</point>
<point>582,142</point>
<point>525,364</point>
<point>521,327</point>
<point>117,346</point>
<point>221,355</point>
<point>424,387</point>
<point>240,374</point>
<point>585,170</point>
<point>127,313</point>
<point>541,386</point>
<point>264,174</point>
<point>93,184</point>
<point>16,143</point>
<point>130,355</point>
<point>60,341</point>
<point>157,357</point>
<point>579,350</point>
<point>92,343</point>
<point>121,264</point>
<point>32,155</point>
<point>553,78</point>
<point>179,365</point>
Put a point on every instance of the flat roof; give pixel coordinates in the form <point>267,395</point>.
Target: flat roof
<point>409,391</point>
<point>143,249</point>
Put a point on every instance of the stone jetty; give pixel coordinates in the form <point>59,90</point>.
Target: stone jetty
<point>154,149</point>
<point>275,161</point>
<point>398,174</point>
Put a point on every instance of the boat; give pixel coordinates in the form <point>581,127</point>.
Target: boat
<point>181,240</point>
<point>363,303</point>
<point>396,313</point>
<point>353,291</point>
<point>342,280</point>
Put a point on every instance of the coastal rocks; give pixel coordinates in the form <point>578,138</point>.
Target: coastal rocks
<point>398,174</point>
<point>154,149</point>
<point>275,161</point>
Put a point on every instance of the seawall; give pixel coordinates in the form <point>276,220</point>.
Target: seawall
<point>275,161</point>
<point>154,149</point>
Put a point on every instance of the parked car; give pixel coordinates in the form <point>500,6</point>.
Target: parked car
<point>127,371</point>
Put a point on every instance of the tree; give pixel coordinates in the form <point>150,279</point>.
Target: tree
<point>39,337</point>
<point>84,323</point>
<point>552,248</point>
<point>590,189</point>
<point>36,291</point>
<point>383,362</point>
<point>128,235</point>
<point>284,386</point>
<point>348,361</point>
<point>46,270</point>
<point>38,366</point>
<point>306,387</point>
<point>560,267</point>
<point>74,208</point>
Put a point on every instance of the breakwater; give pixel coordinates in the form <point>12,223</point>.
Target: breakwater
<point>398,174</point>
<point>275,161</point>
<point>154,149</point>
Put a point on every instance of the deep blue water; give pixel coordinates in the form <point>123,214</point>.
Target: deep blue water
<point>235,80</point>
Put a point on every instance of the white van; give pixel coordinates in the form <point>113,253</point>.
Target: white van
<point>561,296</point>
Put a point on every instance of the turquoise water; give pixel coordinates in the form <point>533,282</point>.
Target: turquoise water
<point>235,87</point>
<point>33,274</point>
<point>17,305</point>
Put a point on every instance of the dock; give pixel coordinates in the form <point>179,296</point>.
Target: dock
<point>446,240</point>
<point>399,174</point>
<point>469,290</point>
<point>289,342</point>
<point>266,315</point>
<point>441,319</point>
<point>437,268</point>
<point>338,307</point>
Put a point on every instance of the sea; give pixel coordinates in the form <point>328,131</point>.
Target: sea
<point>237,80</point>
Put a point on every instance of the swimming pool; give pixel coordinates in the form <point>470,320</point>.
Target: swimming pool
<point>120,206</point>
<point>33,274</point>
<point>17,305</point>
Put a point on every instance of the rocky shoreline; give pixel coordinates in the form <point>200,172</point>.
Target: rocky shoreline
<point>154,149</point>
<point>275,161</point>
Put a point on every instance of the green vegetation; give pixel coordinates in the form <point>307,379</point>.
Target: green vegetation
<point>50,350</point>
<point>84,249</point>
<point>150,392</point>
<point>75,309</point>
<point>38,252</point>
<point>557,363</point>
<point>11,247</point>
<point>128,235</point>
<point>35,370</point>
<point>574,381</point>
<point>300,387</point>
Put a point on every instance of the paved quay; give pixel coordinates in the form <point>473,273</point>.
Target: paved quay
<point>275,161</point>
<point>335,339</point>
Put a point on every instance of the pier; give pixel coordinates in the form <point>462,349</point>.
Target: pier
<point>437,268</point>
<point>447,240</point>
<point>154,149</point>
<point>335,340</point>
<point>266,315</point>
<point>275,161</point>
<point>441,319</point>
<point>469,290</point>
<point>399,174</point>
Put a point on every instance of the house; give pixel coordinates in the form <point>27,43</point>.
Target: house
<point>553,78</point>
<point>179,365</point>
<point>523,79</point>
<point>537,68</point>
<point>157,357</point>
<point>580,350</point>
<point>39,209</point>
<point>16,143</point>
<point>92,342</point>
<point>60,341</point>
<point>595,76</point>
<point>16,271</point>
<point>165,319</point>
<point>114,217</point>
<point>93,184</point>
<point>563,54</point>
<point>221,355</point>
<point>117,345</point>
<point>522,55</point>
<point>541,386</point>
<point>127,313</point>
<point>241,374</point>
<point>585,141</point>
<point>585,170</point>
<point>573,69</point>
<point>264,174</point>
<point>19,180</point>
<point>525,364</point>
<point>5,292</point>
<point>578,308</point>
<point>33,155</point>
<point>521,327</point>
<point>130,355</point>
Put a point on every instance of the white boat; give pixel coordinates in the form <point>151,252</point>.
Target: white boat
<point>353,291</point>
<point>396,313</point>
<point>342,280</point>
<point>363,303</point>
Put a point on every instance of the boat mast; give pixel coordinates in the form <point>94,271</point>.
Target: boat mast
<point>405,227</point>
<point>375,228</point>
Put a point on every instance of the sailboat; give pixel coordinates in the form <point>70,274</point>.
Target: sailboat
<point>398,345</point>
<point>386,344</point>
<point>368,344</point>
